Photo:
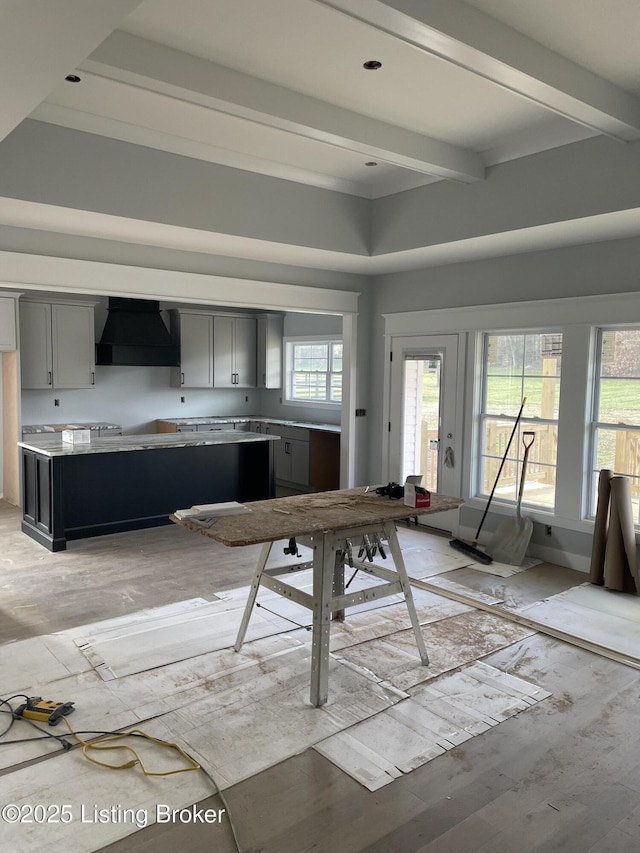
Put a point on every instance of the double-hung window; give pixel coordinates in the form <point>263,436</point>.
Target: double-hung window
<point>516,366</point>
<point>616,417</point>
<point>314,372</point>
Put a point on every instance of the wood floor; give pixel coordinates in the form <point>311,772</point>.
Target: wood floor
<point>564,776</point>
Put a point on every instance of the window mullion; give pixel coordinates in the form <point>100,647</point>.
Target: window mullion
<point>573,460</point>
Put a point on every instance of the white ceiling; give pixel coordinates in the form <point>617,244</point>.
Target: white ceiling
<point>277,86</point>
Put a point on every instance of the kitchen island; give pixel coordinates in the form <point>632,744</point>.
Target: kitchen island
<point>118,483</point>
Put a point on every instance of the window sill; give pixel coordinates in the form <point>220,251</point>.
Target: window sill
<point>536,514</point>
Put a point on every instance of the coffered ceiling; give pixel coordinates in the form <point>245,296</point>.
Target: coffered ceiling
<point>278,87</point>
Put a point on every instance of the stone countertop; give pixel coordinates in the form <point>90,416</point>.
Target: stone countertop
<point>244,419</point>
<point>52,445</point>
<point>31,429</point>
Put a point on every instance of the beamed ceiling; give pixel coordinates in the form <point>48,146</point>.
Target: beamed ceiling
<point>466,92</point>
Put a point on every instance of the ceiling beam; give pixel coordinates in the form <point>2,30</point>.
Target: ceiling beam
<point>148,65</point>
<point>43,42</point>
<point>471,39</point>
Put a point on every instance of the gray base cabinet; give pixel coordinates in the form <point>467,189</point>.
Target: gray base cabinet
<point>292,455</point>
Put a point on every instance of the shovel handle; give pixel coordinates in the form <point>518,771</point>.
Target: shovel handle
<point>528,438</point>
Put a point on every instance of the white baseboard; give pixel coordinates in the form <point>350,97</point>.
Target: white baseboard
<point>550,555</point>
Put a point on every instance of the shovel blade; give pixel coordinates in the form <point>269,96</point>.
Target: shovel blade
<point>510,541</point>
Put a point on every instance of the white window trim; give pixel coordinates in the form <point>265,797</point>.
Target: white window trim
<point>303,339</point>
<point>507,503</point>
<point>578,319</point>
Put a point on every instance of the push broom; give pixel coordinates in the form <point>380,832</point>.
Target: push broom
<point>469,548</point>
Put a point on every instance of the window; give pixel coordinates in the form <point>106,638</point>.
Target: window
<point>314,372</point>
<point>517,366</point>
<point>616,417</point>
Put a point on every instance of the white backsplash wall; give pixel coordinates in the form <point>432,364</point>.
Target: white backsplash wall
<point>135,397</point>
<point>304,325</point>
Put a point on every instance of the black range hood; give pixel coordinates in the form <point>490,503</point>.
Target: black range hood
<point>136,335</point>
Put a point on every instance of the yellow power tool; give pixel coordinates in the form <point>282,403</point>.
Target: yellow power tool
<point>44,710</point>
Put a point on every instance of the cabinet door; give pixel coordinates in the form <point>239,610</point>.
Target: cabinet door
<point>244,345</point>
<point>282,460</point>
<point>73,350</point>
<point>7,323</point>
<point>270,331</point>
<point>299,455</point>
<point>223,355</point>
<point>35,345</point>
<point>196,351</point>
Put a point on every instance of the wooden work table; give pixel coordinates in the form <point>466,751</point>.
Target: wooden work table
<point>335,525</point>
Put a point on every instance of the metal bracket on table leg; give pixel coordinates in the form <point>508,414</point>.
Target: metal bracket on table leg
<point>338,581</point>
<point>394,546</point>
<point>262,562</point>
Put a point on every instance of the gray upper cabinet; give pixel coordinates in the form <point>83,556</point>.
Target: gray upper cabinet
<point>216,350</point>
<point>7,323</point>
<point>270,332</point>
<point>57,345</point>
<point>194,333</point>
<point>234,351</point>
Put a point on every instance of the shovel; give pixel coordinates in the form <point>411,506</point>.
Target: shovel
<point>511,539</point>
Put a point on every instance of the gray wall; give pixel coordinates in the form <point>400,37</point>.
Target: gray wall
<point>587,178</point>
<point>55,165</point>
<point>599,268</point>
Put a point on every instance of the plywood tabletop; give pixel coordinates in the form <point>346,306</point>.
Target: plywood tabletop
<point>303,515</point>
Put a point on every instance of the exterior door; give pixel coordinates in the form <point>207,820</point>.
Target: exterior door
<point>425,429</point>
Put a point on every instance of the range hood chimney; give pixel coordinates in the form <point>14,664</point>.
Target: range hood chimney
<point>135,334</point>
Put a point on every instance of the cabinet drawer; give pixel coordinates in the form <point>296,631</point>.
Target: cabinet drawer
<point>294,433</point>
<point>217,426</point>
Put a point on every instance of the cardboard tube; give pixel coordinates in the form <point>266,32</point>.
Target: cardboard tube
<point>615,558</point>
<point>596,572</point>
<point>621,496</point>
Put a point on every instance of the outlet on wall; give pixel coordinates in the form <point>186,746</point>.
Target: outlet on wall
<point>56,402</point>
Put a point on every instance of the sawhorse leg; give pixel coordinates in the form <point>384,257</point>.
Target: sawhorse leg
<point>251,600</point>
<point>324,563</point>
<point>394,546</point>
<point>338,581</point>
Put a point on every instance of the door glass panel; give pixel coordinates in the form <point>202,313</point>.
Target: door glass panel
<point>421,418</point>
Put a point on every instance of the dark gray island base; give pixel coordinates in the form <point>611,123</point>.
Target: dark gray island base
<point>126,483</point>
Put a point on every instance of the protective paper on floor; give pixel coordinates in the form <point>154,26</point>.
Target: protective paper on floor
<point>153,641</point>
<point>156,638</point>
<point>601,616</point>
<point>251,721</point>
<point>433,720</point>
<point>131,799</point>
<point>504,570</point>
<point>451,643</point>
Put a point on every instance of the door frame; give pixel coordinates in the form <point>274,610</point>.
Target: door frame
<point>395,346</point>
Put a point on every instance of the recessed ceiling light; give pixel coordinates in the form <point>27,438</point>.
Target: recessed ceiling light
<point>372,65</point>
<point>371,163</point>
<point>73,78</point>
